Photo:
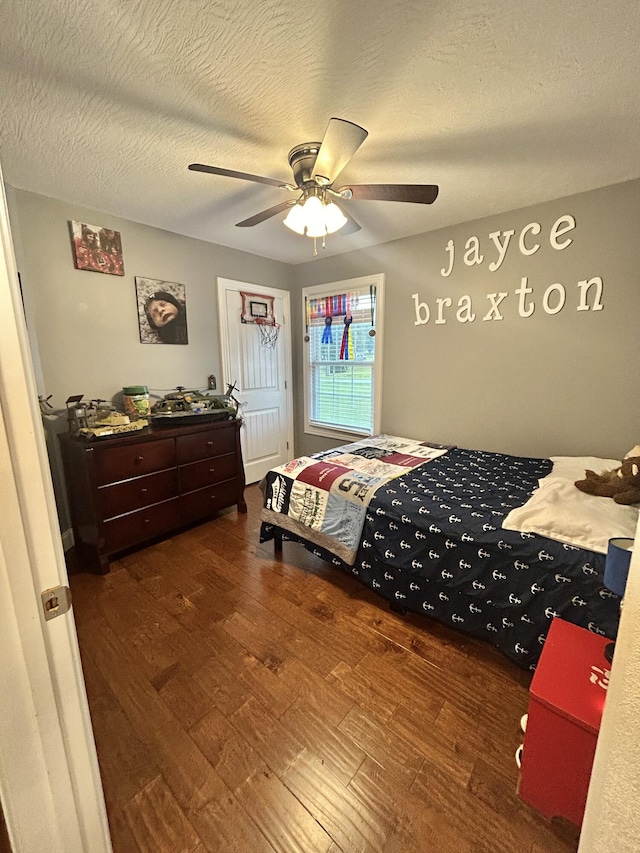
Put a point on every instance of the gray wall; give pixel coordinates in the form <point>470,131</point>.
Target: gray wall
<point>543,385</point>
<point>85,323</point>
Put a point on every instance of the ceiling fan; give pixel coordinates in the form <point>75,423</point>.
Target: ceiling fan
<point>316,165</point>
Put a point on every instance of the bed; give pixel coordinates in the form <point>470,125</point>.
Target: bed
<point>491,544</point>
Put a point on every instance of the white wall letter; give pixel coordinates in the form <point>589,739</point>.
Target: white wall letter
<point>557,230</point>
<point>562,295</point>
<point>523,309</point>
<point>464,313</point>
<point>534,228</point>
<point>421,307</point>
<point>502,248</point>
<point>451,249</point>
<point>584,288</point>
<point>441,303</point>
<point>472,255</point>
<point>496,299</point>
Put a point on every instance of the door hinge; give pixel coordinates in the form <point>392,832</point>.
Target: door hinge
<point>56,601</point>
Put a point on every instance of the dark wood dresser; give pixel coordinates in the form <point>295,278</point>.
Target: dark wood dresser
<point>128,489</point>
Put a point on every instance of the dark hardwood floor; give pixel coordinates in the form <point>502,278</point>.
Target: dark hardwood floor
<point>246,703</point>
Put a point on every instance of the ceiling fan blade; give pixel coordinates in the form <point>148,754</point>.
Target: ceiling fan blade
<point>244,176</point>
<point>341,141</point>
<point>266,214</point>
<point>416,193</point>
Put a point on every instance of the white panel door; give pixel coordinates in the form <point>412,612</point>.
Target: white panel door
<point>50,786</point>
<point>262,376</point>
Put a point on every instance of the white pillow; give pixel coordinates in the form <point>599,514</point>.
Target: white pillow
<point>573,467</point>
<point>560,511</point>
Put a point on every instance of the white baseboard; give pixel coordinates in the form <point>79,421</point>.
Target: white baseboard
<point>67,539</point>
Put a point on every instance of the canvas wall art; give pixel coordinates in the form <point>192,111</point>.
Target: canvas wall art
<point>96,249</point>
<point>162,311</point>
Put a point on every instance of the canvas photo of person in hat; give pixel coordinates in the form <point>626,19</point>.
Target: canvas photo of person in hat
<point>162,311</point>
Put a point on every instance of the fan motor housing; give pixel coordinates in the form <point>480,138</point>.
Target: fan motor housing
<point>302,159</point>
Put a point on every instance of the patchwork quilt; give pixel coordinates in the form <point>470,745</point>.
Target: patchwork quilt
<point>324,497</point>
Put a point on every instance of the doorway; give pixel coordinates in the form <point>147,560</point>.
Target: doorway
<point>262,376</point>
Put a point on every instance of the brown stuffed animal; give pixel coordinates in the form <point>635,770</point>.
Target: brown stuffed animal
<point>622,484</point>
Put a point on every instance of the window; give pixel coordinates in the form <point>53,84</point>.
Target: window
<point>343,361</point>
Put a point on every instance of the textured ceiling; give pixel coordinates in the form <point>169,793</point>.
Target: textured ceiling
<point>501,103</point>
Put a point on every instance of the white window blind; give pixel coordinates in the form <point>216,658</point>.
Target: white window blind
<point>342,374</point>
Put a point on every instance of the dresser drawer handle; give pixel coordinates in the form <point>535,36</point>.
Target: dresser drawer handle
<point>143,491</point>
<point>209,444</point>
<point>147,520</point>
<point>213,497</point>
<point>212,470</point>
<point>139,458</point>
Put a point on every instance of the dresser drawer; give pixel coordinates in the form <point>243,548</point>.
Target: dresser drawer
<point>207,501</point>
<point>119,498</point>
<point>122,463</point>
<point>197,475</point>
<point>137,526</point>
<point>202,445</point>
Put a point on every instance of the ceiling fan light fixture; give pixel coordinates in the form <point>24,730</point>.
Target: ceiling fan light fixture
<point>313,211</point>
<point>314,217</point>
<point>295,219</point>
<point>334,218</point>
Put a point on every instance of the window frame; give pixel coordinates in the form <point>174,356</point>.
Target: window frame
<point>314,291</point>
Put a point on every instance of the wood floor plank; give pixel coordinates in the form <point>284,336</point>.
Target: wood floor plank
<point>330,745</point>
<point>122,840</point>
<point>341,813</point>
<point>189,775</point>
<point>174,568</point>
<point>280,816</point>
<point>449,749</point>
<point>317,692</point>
<point>415,826</point>
<point>225,827</point>
<point>403,687</point>
<point>185,698</point>
<point>496,791</point>
<point>258,643</point>
<point>484,733</point>
<point>273,741</point>
<point>215,605</point>
<point>228,751</point>
<point>131,612</point>
<point>255,677</point>
<point>491,833</point>
<point>268,617</point>
<point>391,750</point>
<point>466,686</point>
<point>363,690</point>
<point>157,822</point>
<point>126,764</point>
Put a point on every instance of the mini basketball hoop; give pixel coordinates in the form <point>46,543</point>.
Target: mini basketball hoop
<point>269,331</point>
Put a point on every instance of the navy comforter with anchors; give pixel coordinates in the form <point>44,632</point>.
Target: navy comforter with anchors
<point>433,543</point>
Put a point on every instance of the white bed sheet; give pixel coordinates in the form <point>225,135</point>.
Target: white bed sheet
<point>560,511</point>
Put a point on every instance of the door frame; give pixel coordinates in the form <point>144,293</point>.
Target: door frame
<point>225,284</point>
<point>50,784</point>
